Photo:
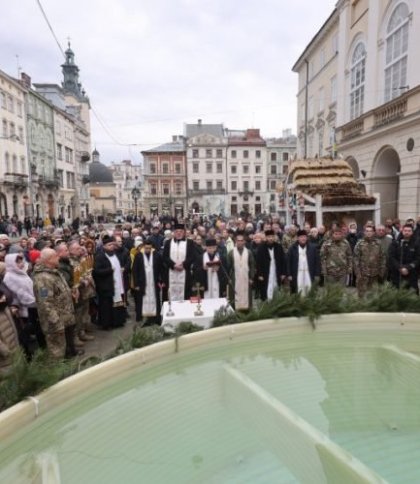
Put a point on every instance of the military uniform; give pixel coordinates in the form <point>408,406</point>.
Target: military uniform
<point>369,264</point>
<point>336,261</point>
<point>287,241</point>
<point>55,307</point>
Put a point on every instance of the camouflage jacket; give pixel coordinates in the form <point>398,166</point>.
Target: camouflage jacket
<point>287,241</point>
<point>336,258</point>
<point>53,299</point>
<point>369,258</point>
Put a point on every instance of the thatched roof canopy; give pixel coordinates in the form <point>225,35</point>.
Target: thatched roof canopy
<point>333,179</point>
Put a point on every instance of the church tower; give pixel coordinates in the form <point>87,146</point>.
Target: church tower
<point>71,84</point>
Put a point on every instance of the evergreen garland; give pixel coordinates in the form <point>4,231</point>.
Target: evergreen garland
<point>25,378</point>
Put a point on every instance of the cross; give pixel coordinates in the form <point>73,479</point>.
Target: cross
<point>198,288</point>
<point>68,41</point>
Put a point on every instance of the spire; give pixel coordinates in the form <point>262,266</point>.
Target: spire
<point>71,75</point>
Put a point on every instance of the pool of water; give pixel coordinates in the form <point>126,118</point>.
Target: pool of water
<point>279,409</point>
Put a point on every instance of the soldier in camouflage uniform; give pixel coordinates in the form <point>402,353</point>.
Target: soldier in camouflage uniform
<point>369,261</point>
<point>289,238</point>
<point>336,258</point>
<point>54,302</point>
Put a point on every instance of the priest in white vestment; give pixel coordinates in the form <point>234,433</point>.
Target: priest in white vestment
<point>211,271</point>
<point>241,265</point>
<point>178,258</point>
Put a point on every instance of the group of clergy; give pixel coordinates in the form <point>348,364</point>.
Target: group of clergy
<point>180,272</point>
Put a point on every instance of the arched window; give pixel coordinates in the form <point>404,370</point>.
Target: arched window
<point>15,164</point>
<point>22,164</point>
<point>396,52</point>
<point>7,162</point>
<point>357,87</point>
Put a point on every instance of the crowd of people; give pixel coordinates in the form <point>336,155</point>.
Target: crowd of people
<point>61,284</point>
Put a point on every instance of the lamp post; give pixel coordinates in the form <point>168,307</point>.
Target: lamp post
<point>135,193</point>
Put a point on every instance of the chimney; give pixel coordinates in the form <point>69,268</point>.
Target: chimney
<point>199,122</point>
<point>25,80</point>
<point>252,133</point>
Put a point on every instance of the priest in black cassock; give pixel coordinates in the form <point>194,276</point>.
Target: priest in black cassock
<point>271,266</point>
<point>147,280</point>
<point>211,271</point>
<point>178,260</point>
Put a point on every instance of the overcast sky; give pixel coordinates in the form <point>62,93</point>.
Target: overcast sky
<point>149,66</point>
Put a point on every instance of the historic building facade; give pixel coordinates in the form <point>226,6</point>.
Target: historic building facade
<point>14,168</point>
<point>128,179</point>
<point>361,68</point>
<point>73,142</point>
<point>206,168</point>
<point>246,172</point>
<point>165,179</point>
<point>280,151</point>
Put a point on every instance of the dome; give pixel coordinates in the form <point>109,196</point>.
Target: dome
<point>99,173</point>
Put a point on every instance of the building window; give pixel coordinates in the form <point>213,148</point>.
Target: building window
<point>209,168</point>
<point>165,188</point>
<point>12,129</point>
<point>15,164</point>
<point>209,185</point>
<point>165,168</point>
<point>21,136</point>
<point>233,153</point>
<point>153,189</point>
<point>7,162</point>
<point>258,185</point>
<point>11,104</point>
<point>246,186</point>
<point>396,52</point>
<point>286,156</point>
<point>219,185</point>
<point>177,168</point>
<point>333,87</point>
<point>234,185</point>
<point>273,157</point>
<point>246,154</point>
<point>59,151</point>
<point>273,170</point>
<point>245,169</point>
<point>195,153</point>
<point>60,177</point>
<point>3,100</point>
<point>209,153</point>
<point>233,169</point>
<point>178,189</point>
<point>219,153</point>
<point>5,129</point>
<point>219,168</point>
<point>68,154</point>
<point>322,58</point>
<point>321,94</point>
<point>285,169</point>
<point>152,168</point>
<point>195,168</point>
<point>357,86</point>
<point>196,186</point>
<point>272,184</point>
<point>258,169</point>
<point>258,154</point>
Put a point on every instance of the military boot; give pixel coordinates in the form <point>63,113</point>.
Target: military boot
<point>83,336</point>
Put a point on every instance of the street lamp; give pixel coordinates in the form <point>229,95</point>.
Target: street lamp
<point>135,193</point>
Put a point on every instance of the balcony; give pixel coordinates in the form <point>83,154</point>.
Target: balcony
<point>390,112</point>
<point>16,181</point>
<point>84,156</point>
<point>50,182</point>
<point>352,129</point>
<point>205,191</point>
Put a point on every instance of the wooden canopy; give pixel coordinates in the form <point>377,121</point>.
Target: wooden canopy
<point>333,179</point>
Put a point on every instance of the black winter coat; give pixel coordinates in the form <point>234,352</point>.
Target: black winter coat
<point>263,266</point>
<point>103,275</point>
<point>314,264</point>
<point>404,254</point>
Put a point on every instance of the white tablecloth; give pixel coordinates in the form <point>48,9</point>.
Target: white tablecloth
<point>184,312</point>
